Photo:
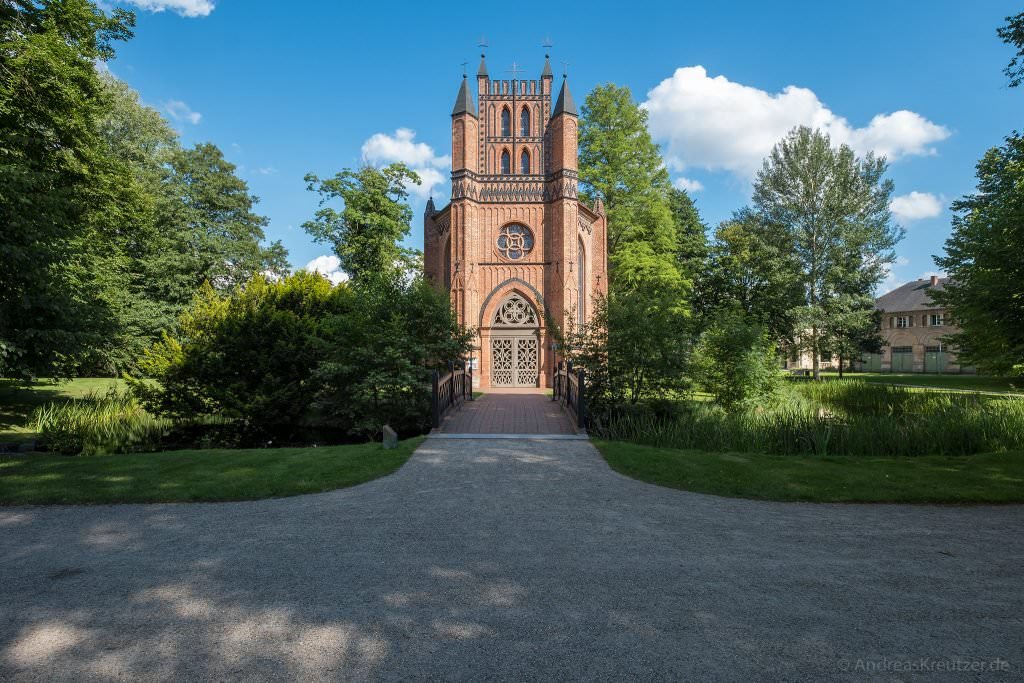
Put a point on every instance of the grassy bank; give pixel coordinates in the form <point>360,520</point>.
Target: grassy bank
<point>191,476</point>
<point>1013,385</point>
<point>987,478</point>
<point>17,400</point>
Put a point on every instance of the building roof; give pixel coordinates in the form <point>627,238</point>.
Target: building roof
<point>463,102</point>
<point>546,73</point>
<point>913,296</point>
<point>482,71</point>
<point>564,105</point>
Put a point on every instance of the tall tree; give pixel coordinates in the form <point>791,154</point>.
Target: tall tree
<point>1013,34</point>
<point>58,189</point>
<point>621,165</point>
<point>367,232</point>
<point>752,268</point>
<point>983,259</point>
<point>830,210</point>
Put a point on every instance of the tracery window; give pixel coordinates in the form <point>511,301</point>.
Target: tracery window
<point>524,163</point>
<point>581,275</point>
<point>506,163</point>
<point>515,311</point>
<point>515,241</point>
<point>524,122</point>
<point>506,122</point>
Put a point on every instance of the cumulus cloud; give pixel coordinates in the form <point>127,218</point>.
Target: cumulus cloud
<point>688,184</point>
<point>382,149</point>
<point>915,206</point>
<point>717,124</point>
<point>186,8</point>
<point>179,111</point>
<point>329,266</point>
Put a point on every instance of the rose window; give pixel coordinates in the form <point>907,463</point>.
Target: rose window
<point>515,241</point>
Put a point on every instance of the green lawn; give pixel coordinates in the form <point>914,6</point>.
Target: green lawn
<point>187,476</point>
<point>17,401</point>
<point>963,382</point>
<point>988,478</point>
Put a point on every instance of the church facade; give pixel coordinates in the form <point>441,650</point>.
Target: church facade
<point>515,243</point>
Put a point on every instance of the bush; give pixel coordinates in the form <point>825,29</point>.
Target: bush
<point>299,360</point>
<point>736,363</point>
<point>95,425</point>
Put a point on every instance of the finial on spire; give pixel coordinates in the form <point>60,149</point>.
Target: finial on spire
<point>565,69</point>
<point>482,71</point>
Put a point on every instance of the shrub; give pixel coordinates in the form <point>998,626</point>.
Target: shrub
<point>736,363</point>
<point>95,425</point>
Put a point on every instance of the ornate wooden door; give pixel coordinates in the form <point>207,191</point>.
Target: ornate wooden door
<point>515,347</point>
<point>515,361</point>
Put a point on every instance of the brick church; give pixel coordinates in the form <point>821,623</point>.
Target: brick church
<point>515,242</point>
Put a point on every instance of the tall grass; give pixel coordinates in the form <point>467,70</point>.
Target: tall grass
<point>841,418</point>
<point>98,424</point>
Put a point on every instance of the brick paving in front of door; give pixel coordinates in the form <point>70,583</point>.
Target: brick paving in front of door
<point>509,411</point>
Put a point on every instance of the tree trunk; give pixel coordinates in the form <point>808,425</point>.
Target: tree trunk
<point>840,366</point>
<point>816,364</point>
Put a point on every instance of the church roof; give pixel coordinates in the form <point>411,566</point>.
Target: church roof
<point>564,105</point>
<point>546,73</point>
<point>482,71</point>
<point>463,102</point>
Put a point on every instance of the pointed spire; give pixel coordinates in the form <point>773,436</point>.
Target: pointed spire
<point>564,105</point>
<point>547,73</point>
<point>482,71</point>
<point>463,102</point>
<point>430,210</point>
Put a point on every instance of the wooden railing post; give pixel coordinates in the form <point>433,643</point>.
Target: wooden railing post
<point>435,399</point>
<point>581,402</point>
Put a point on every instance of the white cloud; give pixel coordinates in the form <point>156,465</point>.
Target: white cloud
<point>381,149</point>
<point>179,111</point>
<point>915,206</point>
<point>186,8</point>
<point>329,266</point>
<point>688,184</point>
<point>717,124</point>
<point>902,261</point>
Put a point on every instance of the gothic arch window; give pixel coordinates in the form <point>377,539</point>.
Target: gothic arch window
<point>448,263</point>
<point>524,122</point>
<point>506,122</point>
<point>506,163</point>
<point>581,283</point>
<point>515,311</point>
<point>515,241</point>
<point>524,163</point>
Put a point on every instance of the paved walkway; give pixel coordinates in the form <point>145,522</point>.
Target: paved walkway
<point>507,560</point>
<point>509,411</point>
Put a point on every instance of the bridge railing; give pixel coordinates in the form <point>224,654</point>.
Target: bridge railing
<point>449,390</point>
<point>569,390</point>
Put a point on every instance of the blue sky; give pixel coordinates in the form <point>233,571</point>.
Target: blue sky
<point>288,88</point>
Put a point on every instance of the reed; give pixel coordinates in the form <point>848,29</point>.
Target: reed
<point>99,424</point>
<point>833,418</point>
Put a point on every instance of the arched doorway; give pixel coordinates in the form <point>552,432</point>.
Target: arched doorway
<point>515,343</point>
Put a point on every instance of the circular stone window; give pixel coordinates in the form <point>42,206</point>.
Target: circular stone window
<point>515,241</point>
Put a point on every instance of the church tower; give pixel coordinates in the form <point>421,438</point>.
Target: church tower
<point>515,242</point>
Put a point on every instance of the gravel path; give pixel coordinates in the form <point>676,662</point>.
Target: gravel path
<point>509,560</point>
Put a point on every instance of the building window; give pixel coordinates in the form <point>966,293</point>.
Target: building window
<point>903,349</point>
<point>524,122</point>
<point>826,357</point>
<point>515,241</point>
<point>506,122</point>
<point>935,320</point>
<point>506,163</point>
<point>902,321</point>
<point>581,283</point>
<point>524,163</point>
